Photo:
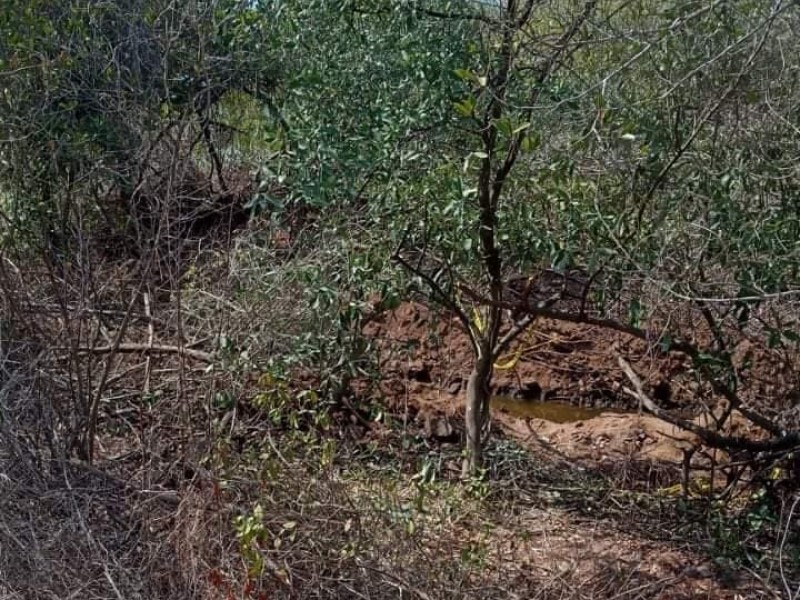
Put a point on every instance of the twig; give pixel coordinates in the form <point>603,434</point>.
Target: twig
<point>708,436</point>
<point>150,335</point>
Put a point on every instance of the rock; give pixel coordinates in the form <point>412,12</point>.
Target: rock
<point>662,394</point>
<point>440,429</point>
<point>504,391</point>
<point>455,386</point>
<point>529,391</point>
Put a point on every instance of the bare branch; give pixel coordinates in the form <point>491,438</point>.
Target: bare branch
<point>714,439</point>
<point>518,329</point>
<point>148,349</point>
<point>446,299</point>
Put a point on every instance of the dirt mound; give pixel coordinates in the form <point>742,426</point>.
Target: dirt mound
<point>556,367</point>
<point>554,361</point>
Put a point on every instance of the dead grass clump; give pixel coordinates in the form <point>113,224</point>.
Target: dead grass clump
<point>70,531</point>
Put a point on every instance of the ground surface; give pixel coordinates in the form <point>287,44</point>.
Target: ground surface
<point>563,397</point>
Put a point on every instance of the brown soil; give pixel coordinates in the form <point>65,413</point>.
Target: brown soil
<point>426,360</point>
<point>564,552</point>
<point>556,361</point>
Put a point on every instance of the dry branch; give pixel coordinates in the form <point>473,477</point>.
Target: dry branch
<point>714,439</point>
<point>148,349</point>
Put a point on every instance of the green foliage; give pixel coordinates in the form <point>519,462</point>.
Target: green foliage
<point>746,537</point>
<point>251,535</point>
<point>287,408</point>
<point>366,94</point>
<point>90,88</point>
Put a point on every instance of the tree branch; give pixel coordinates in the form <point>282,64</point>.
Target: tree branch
<point>518,329</point>
<point>437,290</point>
<point>712,438</point>
<point>438,14</point>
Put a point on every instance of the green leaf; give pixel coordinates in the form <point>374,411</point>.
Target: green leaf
<point>465,75</point>
<point>504,126</point>
<point>635,312</point>
<point>792,336</point>
<point>465,108</point>
<point>531,142</point>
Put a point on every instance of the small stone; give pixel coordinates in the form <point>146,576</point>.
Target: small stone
<point>440,429</point>
<point>531,391</point>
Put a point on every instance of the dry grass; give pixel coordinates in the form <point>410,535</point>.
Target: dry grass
<point>375,519</point>
<point>68,530</point>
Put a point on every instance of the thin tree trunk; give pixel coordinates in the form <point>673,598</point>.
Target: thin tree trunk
<point>477,413</point>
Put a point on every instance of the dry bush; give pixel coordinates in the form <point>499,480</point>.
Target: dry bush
<point>68,529</point>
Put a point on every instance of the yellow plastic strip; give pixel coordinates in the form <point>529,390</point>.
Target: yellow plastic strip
<point>511,363</point>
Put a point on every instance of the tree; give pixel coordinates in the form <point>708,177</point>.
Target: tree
<point>513,66</point>
<point>571,141</point>
<point>592,127</point>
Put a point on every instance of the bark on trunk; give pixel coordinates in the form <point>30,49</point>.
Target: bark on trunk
<point>477,414</point>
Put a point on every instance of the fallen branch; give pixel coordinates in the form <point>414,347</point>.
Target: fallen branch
<point>148,349</point>
<point>712,438</point>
